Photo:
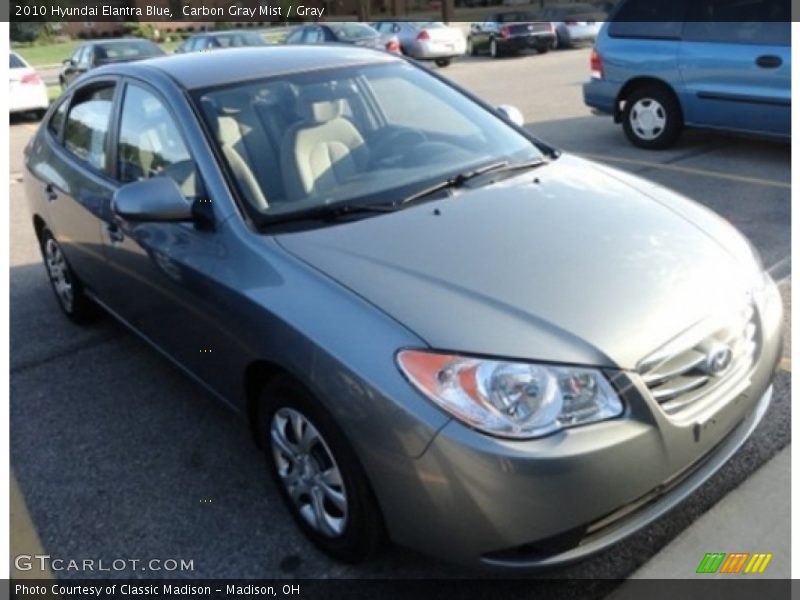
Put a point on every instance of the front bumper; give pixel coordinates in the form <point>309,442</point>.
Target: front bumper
<point>480,500</point>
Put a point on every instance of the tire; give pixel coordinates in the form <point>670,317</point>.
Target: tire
<point>494,49</point>
<point>443,62</point>
<point>67,288</point>
<point>543,49</point>
<point>652,118</point>
<point>471,51</point>
<point>349,535</point>
<point>39,114</point>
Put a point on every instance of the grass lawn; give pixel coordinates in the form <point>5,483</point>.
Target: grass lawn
<point>54,54</point>
<point>50,54</point>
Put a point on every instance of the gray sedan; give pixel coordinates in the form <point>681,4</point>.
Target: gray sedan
<point>441,330</point>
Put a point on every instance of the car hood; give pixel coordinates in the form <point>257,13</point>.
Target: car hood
<point>573,262</point>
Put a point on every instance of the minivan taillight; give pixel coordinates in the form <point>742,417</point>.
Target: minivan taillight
<point>423,35</point>
<point>505,31</point>
<point>596,63</point>
<point>393,46</point>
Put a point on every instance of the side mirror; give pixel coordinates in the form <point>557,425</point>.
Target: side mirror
<point>156,199</point>
<point>511,114</point>
<point>67,61</point>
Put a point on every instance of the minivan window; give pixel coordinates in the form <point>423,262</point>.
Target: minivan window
<point>150,144</point>
<point>86,130</point>
<point>764,22</point>
<point>656,19</point>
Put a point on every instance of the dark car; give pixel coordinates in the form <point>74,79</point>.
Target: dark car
<point>214,40</point>
<point>510,32</point>
<point>359,34</point>
<point>440,329</point>
<point>94,54</point>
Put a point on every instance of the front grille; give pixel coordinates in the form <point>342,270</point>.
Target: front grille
<point>679,378</point>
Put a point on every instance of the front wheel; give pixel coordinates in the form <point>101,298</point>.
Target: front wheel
<point>318,474</point>
<point>652,118</point>
<point>543,49</point>
<point>471,47</point>
<point>443,62</point>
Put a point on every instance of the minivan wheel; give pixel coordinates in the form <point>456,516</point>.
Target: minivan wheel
<point>443,62</point>
<point>318,474</point>
<point>652,118</point>
<point>66,286</point>
<point>471,47</point>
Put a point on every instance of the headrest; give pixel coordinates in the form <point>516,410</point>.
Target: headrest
<point>322,112</point>
<point>319,103</point>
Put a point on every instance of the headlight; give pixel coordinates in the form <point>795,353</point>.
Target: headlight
<point>510,399</point>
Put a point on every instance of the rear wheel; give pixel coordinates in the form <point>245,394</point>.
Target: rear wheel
<point>66,286</point>
<point>543,49</point>
<point>652,118</point>
<point>471,48</point>
<point>494,48</point>
<point>318,474</point>
<point>443,62</point>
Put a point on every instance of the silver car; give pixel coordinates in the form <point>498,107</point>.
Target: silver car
<point>441,330</point>
<point>574,23</point>
<point>426,40</point>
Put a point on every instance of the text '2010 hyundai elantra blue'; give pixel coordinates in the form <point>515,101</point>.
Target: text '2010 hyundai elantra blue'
<point>443,331</point>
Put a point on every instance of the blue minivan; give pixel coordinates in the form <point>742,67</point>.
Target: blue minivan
<point>661,65</point>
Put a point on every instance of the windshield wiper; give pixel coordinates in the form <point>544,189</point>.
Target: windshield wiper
<point>328,212</point>
<point>456,181</point>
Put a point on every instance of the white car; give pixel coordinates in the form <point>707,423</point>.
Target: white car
<point>28,93</point>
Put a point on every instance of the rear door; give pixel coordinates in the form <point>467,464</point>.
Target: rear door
<point>736,67</point>
<point>75,179</point>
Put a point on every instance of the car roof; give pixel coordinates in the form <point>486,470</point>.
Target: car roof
<point>114,41</point>
<point>209,69</point>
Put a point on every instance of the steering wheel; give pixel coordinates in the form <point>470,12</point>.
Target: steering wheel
<point>393,148</point>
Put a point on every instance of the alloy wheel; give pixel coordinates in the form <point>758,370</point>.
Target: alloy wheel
<point>309,472</point>
<point>58,270</point>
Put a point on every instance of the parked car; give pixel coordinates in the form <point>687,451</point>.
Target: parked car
<point>358,34</point>
<point>574,23</point>
<point>509,32</point>
<point>426,40</point>
<point>27,91</point>
<point>214,40</point>
<point>440,329</point>
<point>96,53</point>
<point>706,63</point>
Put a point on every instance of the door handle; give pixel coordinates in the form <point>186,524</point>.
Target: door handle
<point>115,233</point>
<point>50,192</point>
<point>769,61</point>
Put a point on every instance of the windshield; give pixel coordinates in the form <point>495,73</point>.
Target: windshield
<point>372,133</point>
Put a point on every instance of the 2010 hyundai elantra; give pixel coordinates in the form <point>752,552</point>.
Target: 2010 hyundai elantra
<point>443,331</point>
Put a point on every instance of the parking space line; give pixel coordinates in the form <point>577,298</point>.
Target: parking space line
<point>688,170</point>
<point>24,539</point>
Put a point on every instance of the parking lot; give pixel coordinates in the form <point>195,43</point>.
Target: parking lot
<point>119,455</point>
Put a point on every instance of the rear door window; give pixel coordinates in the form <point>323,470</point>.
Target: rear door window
<point>87,124</point>
<point>649,19</point>
<point>764,22</point>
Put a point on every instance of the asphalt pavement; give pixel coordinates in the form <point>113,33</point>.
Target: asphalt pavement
<point>119,455</point>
